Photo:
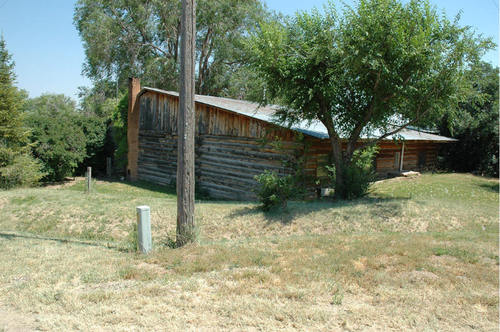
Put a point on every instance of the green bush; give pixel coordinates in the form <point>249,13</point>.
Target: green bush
<point>22,171</point>
<point>274,191</point>
<point>119,133</point>
<point>359,175</point>
<point>57,135</point>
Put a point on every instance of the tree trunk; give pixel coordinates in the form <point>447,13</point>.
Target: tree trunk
<point>338,159</point>
<point>186,128</point>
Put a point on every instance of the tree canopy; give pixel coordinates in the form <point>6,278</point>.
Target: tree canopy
<point>376,69</point>
<point>126,38</point>
<point>475,123</point>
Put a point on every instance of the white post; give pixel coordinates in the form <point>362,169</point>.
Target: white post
<point>144,229</point>
<point>89,179</point>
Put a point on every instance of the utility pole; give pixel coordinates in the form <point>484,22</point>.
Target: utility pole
<point>186,128</point>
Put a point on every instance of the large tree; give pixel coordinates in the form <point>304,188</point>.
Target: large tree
<point>475,124</point>
<point>126,38</point>
<point>378,68</point>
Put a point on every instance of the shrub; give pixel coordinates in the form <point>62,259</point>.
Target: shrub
<point>274,191</point>
<point>58,137</point>
<point>359,175</point>
<point>119,133</point>
<point>22,171</point>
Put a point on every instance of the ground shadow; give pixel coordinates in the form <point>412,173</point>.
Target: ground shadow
<point>11,236</point>
<point>159,188</point>
<point>490,186</point>
<point>297,209</point>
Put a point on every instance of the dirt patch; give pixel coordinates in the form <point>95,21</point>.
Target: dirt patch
<point>11,321</point>
<point>152,268</point>
<point>419,276</point>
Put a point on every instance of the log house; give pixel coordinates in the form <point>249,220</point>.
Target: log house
<point>236,140</point>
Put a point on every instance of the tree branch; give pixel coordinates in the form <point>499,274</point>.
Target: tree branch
<point>395,131</point>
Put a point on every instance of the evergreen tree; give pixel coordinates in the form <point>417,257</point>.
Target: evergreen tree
<point>17,166</point>
<point>12,133</point>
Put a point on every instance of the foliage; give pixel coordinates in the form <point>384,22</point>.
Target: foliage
<point>17,166</point>
<point>475,124</point>
<point>98,143</point>
<point>12,132</point>
<point>57,135</point>
<point>380,67</point>
<point>100,100</point>
<point>21,171</point>
<point>98,106</point>
<point>359,174</point>
<point>119,132</point>
<point>127,38</point>
<point>274,190</point>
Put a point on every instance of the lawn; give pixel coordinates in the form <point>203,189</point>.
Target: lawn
<point>415,254</point>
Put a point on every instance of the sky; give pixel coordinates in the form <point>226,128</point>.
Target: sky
<point>48,52</point>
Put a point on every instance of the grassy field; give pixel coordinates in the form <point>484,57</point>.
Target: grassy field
<point>416,254</point>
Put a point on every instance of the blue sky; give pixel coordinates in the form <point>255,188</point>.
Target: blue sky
<point>48,51</point>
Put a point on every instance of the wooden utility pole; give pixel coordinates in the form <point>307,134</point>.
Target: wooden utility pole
<point>185,128</point>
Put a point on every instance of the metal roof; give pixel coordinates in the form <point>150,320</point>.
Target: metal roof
<point>311,128</point>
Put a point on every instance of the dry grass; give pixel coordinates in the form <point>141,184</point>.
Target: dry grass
<point>419,254</point>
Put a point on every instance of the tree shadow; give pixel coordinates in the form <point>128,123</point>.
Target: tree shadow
<point>490,186</point>
<point>11,236</point>
<point>144,185</point>
<point>386,206</point>
<point>165,189</point>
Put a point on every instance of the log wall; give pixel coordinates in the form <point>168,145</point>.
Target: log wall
<point>417,156</point>
<point>229,149</point>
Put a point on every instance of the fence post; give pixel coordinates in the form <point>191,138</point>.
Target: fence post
<point>89,179</point>
<point>144,229</point>
<point>108,166</point>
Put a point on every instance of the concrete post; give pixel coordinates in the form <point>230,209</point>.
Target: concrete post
<point>89,179</point>
<point>144,229</point>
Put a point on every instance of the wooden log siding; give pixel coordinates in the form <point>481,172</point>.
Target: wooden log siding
<point>385,159</point>
<point>229,149</point>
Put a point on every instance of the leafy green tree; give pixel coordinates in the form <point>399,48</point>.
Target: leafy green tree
<point>57,134</point>
<point>126,38</point>
<point>475,124</point>
<point>378,68</point>
<point>100,100</point>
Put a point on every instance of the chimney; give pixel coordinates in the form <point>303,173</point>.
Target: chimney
<point>134,87</point>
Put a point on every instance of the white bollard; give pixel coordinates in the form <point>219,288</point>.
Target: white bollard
<point>144,229</point>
